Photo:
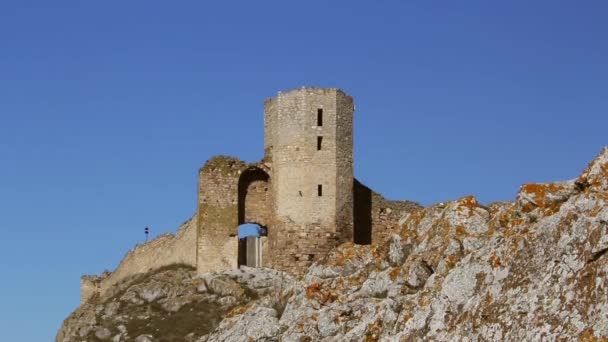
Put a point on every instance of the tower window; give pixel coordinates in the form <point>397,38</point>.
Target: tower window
<point>319,143</point>
<point>320,190</point>
<point>320,117</point>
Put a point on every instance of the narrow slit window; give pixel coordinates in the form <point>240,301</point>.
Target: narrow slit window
<point>320,117</point>
<point>320,190</point>
<point>319,143</point>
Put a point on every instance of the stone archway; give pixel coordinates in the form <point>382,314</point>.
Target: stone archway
<point>254,197</point>
<point>254,207</point>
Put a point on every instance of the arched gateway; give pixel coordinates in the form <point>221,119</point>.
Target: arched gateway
<point>254,210</point>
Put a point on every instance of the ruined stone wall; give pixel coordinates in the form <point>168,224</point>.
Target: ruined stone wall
<point>306,223</point>
<point>217,245</point>
<point>270,119</point>
<point>165,250</point>
<point>376,217</point>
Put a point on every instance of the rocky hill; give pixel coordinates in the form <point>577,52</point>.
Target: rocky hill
<point>532,269</point>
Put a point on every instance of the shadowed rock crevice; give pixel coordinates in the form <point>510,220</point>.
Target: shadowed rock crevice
<point>595,256</point>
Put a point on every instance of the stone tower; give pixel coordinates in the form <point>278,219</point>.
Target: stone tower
<point>309,145</point>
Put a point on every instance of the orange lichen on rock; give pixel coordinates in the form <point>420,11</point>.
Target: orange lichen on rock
<point>540,194</point>
<point>316,291</point>
<point>377,253</point>
<point>551,209</point>
<point>588,336</point>
<point>394,273</point>
<point>596,173</point>
<point>536,194</point>
<point>373,331</point>
<point>412,222</point>
<point>516,222</point>
<point>512,223</point>
<point>239,310</point>
<point>450,261</point>
<point>467,205</point>
<point>494,261</point>
<point>357,279</point>
<point>505,218</point>
<point>488,299</point>
<point>469,202</point>
<point>547,197</point>
<point>341,254</point>
<point>596,211</point>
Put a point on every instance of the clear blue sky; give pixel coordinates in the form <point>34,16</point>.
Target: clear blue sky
<point>108,108</point>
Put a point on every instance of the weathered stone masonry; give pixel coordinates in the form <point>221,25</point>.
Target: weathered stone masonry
<point>231,192</point>
<point>303,192</point>
<point>312,184</point>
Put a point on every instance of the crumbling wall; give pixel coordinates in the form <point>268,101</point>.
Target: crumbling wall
<point>376,217</point>
<point>270,125</point>
<point>217,245</point>
<point>165,250</point>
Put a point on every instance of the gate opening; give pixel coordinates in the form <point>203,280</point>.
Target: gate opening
<point>252,238</point>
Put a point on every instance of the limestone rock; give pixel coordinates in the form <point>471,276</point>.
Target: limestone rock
<point>224,286</point>
<point>256,324</point>
<point>397,251</point>
<point>596,175</point>
<point>144,338</point>
<point>103,333</point>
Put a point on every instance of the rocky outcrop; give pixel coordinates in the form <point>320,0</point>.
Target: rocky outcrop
<point>533,269</point>
<point>173,304</point>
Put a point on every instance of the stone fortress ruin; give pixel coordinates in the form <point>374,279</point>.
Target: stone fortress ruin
<point>303,193</point>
